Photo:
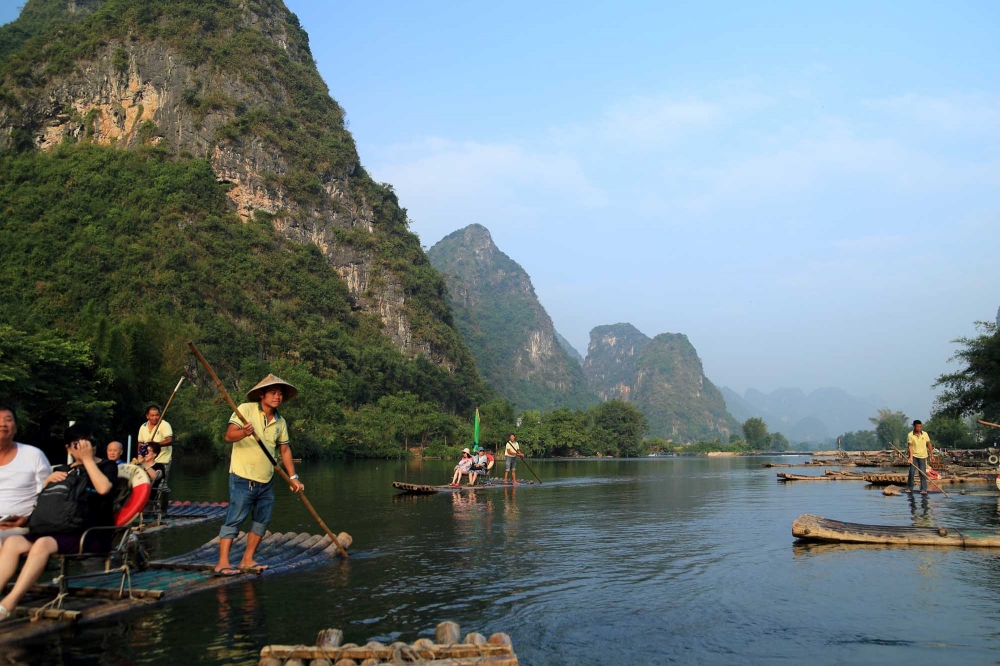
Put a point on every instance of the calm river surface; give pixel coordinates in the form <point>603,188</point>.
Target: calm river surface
<point>640,562</point>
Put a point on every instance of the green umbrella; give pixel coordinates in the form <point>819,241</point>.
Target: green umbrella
<point>475,436</point>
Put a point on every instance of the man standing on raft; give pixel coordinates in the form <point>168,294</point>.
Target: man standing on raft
<point>919,445</point>
<point>511,454</point>
<point>251,475</point>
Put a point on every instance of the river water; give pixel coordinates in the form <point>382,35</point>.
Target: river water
<point>686,560</point>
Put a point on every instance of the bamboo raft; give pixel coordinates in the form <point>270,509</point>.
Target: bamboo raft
<point>811,528</point>
<point>182,514</point>
<point>97,597</point>
<point>828,476</point>
<point>882,479</point>
<point>447,649</point>
<point>901,479</point>
<point>419,489</point>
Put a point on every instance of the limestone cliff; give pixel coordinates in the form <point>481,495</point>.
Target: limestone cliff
<point>663,377</point>
<point>234,82</point>
<point>612,354</point>
<point>508,331</point>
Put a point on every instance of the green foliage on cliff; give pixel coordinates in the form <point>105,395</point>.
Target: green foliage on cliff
<point>679,401</point>
<point>117,258</point>
<point>260,44</point>
<point>506,328</point>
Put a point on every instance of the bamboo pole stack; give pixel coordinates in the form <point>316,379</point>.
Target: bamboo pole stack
<point>447,649</point>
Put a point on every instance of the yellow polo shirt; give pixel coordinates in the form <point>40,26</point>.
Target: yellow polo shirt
<point>248,461</point>
<point>164,432</point>
<point>919,443</point>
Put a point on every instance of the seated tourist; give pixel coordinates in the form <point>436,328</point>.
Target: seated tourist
<point>480,464</point>
<point>155,470</point>
<point>56,526</point>
<point>463,467</point>
<point>116,452</point>
<point>23,470</point>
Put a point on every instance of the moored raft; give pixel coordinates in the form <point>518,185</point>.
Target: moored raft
<point>828,476</point>
<point>901,479</point>
<point>98,597</point>
<point>182,514</point>
<point>447,649</point>
<point>421,489</point>
<point>815,529</point>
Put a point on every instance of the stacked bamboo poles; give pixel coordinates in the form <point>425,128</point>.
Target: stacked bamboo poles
<point>448,649</point>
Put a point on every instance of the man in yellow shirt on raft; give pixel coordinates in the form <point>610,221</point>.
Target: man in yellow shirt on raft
<point>918,443</point>
<point>251,475</point>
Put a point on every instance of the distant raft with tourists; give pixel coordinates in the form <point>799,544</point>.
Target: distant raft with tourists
<point>423,489</point>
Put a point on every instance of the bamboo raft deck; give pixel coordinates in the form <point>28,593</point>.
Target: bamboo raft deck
<point>828,476</point>
<point>447,649</point>
<point>96,597</point>
<point>809,528</point>
<point>182,514</point>
<point>420,489</point>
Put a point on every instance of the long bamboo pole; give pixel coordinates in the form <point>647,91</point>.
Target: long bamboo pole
<point>530,470</point>
<point>165,407</point>
<point>281,472</point>
<point>987,423</point>
<point>929,479</point>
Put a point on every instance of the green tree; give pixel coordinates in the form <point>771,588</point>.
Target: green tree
<point>860,440</point>
<point>949,432</point>
<point>496,422</point>
<point>975,388</point>
<point>891,428</point>
<point>779,442</point>
<point>756,435</point>
<point>49,381</point>
<point>566,430</point>
<point>625,425</point>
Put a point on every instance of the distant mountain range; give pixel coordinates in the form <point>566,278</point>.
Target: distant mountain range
<point>817,417</point>
<point>522,356</point>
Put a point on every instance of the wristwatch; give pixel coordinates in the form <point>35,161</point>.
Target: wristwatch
<point>293,477</point>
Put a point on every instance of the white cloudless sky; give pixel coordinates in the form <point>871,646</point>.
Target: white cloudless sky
<point>809,191</point>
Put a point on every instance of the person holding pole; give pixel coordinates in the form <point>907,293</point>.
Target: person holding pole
<point>156,430</point>
<point>251,474</point>
<point>511,453</point>
<point>918,443</point>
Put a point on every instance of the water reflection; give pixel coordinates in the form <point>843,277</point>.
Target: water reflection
<point>920,509</point>
<point>685,560</point>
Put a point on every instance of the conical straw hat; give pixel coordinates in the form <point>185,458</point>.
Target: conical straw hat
<point>254,394</point>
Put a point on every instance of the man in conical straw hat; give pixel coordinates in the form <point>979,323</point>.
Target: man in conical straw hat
<point>251,475</point>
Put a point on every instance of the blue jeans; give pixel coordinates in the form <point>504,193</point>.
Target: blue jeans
<point>922,464</point>
<point>248,497</point>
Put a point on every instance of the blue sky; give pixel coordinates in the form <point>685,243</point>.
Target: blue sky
<point>809,192</point>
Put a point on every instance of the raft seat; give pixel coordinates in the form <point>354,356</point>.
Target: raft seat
<point>133,490</point>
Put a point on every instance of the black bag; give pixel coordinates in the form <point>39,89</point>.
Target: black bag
<point>62,506</point>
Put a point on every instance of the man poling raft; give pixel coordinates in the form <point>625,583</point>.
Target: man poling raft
<point>240,435</point>
<point>251,474</point>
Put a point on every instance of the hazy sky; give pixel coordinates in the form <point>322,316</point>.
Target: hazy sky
<point>811,193</point>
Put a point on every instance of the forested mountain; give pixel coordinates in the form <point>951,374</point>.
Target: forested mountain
<point>663,377</point>
<point>176,169</point>
<point>507,329</point>
<point>816,417</point>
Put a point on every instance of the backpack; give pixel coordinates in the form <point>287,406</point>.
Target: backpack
<point>62,506</point>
